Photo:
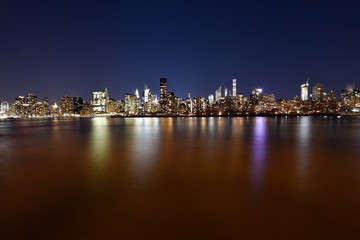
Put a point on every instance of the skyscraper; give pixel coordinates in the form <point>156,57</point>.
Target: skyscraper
<point>4,107</point>
<point>317,94</point>
<point>78,104</point>
<point>254,96</point>
<point>163,93</point>
<point>66,106</point>
<point>100,101</point>
<point>331,96</point>
<point>189,103</point>
<point>130,103</point>
<point>31,99</point>
<point>218,94</point>
<point>211,99</point>
<point>305,91</point>
<point>234,88</point>
<point>346,97</point>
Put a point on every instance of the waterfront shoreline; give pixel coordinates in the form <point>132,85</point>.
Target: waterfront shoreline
<point>189,116</point>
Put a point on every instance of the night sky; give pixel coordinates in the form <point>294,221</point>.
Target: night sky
<point>58,48</point>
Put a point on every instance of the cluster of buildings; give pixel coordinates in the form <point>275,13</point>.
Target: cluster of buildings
<point>225,102</point>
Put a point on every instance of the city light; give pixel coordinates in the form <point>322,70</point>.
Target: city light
<point>147,103</point>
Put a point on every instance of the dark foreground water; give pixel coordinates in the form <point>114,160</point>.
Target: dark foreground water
<point>197,178</point>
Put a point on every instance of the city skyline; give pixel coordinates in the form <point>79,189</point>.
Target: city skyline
<point>226,102</point>
<point>54,50</point>
<point>232,86</point>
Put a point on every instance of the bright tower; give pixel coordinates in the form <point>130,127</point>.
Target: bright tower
<point>305,91</point>
<point>234,88</point>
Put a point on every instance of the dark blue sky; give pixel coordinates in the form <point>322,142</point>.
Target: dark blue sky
<point>57,48</point>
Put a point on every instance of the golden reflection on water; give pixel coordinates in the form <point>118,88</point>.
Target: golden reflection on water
<point>303,146</point>
<point>100,142</point>
<point>145,143</point>
<point>222,178</point>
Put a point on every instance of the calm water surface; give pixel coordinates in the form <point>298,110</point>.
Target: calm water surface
<point>203,178</point>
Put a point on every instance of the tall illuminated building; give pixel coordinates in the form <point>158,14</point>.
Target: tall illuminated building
<point>19,109</point>
<point>211,99</point>
<point>100,101</point>
<point>66,106</point>
<point>225,92</point>
<point>305,91</point>
<point>331,96</point>
<point>346,97</point>
<point>170,100</point>
<point>4,107</point>
<point>189,103</point>
<point>146,95</point>
<point>130,103</point>
<point>46,106</point>
<point>317,94</point>
<point>356,98</point>
<point>20,100</point>
<point>234,88</point>
<point>31,99</point>
<point>254,96</point>
<point>218,94</point>
<point>163,93</point>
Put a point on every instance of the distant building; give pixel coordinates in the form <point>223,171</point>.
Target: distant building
<point>305,91</point>
<point>54,110</point>
<point>66,106</point>
<point>211,99</point>
<point>331,96</point>
<point>163,94</point>
<point>4,107</point>
<point>170,107</point>
<point>100,101</point>
<point>234,88</point>
<point>346,97</point>
<point>146,95</point>
<point>254,96</point>
<point>356,98</point>
<point>20,100</point>
<point>317,94</point>
<point>189,103</point>
<point>130,103</point>
<point>19,108</point>
<point>218,94</point>
<point>86,110</point>
<point>46,106</point>
<point>31,99</point>
<point>78,104</point>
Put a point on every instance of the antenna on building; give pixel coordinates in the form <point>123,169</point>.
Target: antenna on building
<point>308,79</point>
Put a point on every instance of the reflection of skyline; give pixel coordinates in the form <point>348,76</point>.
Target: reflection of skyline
<point>144,142</point>
<point>303,143</point>
<point>100,142</point>
<point>259,149</point>
<point>162,173</point>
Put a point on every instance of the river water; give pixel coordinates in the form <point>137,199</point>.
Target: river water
<point>180,178</point>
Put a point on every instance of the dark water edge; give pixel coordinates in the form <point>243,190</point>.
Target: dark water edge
<point>180,178</point>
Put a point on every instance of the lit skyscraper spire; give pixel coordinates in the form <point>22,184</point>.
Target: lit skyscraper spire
<point>234,87</point>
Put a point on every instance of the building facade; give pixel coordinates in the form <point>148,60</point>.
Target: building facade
<point>100,101</point>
